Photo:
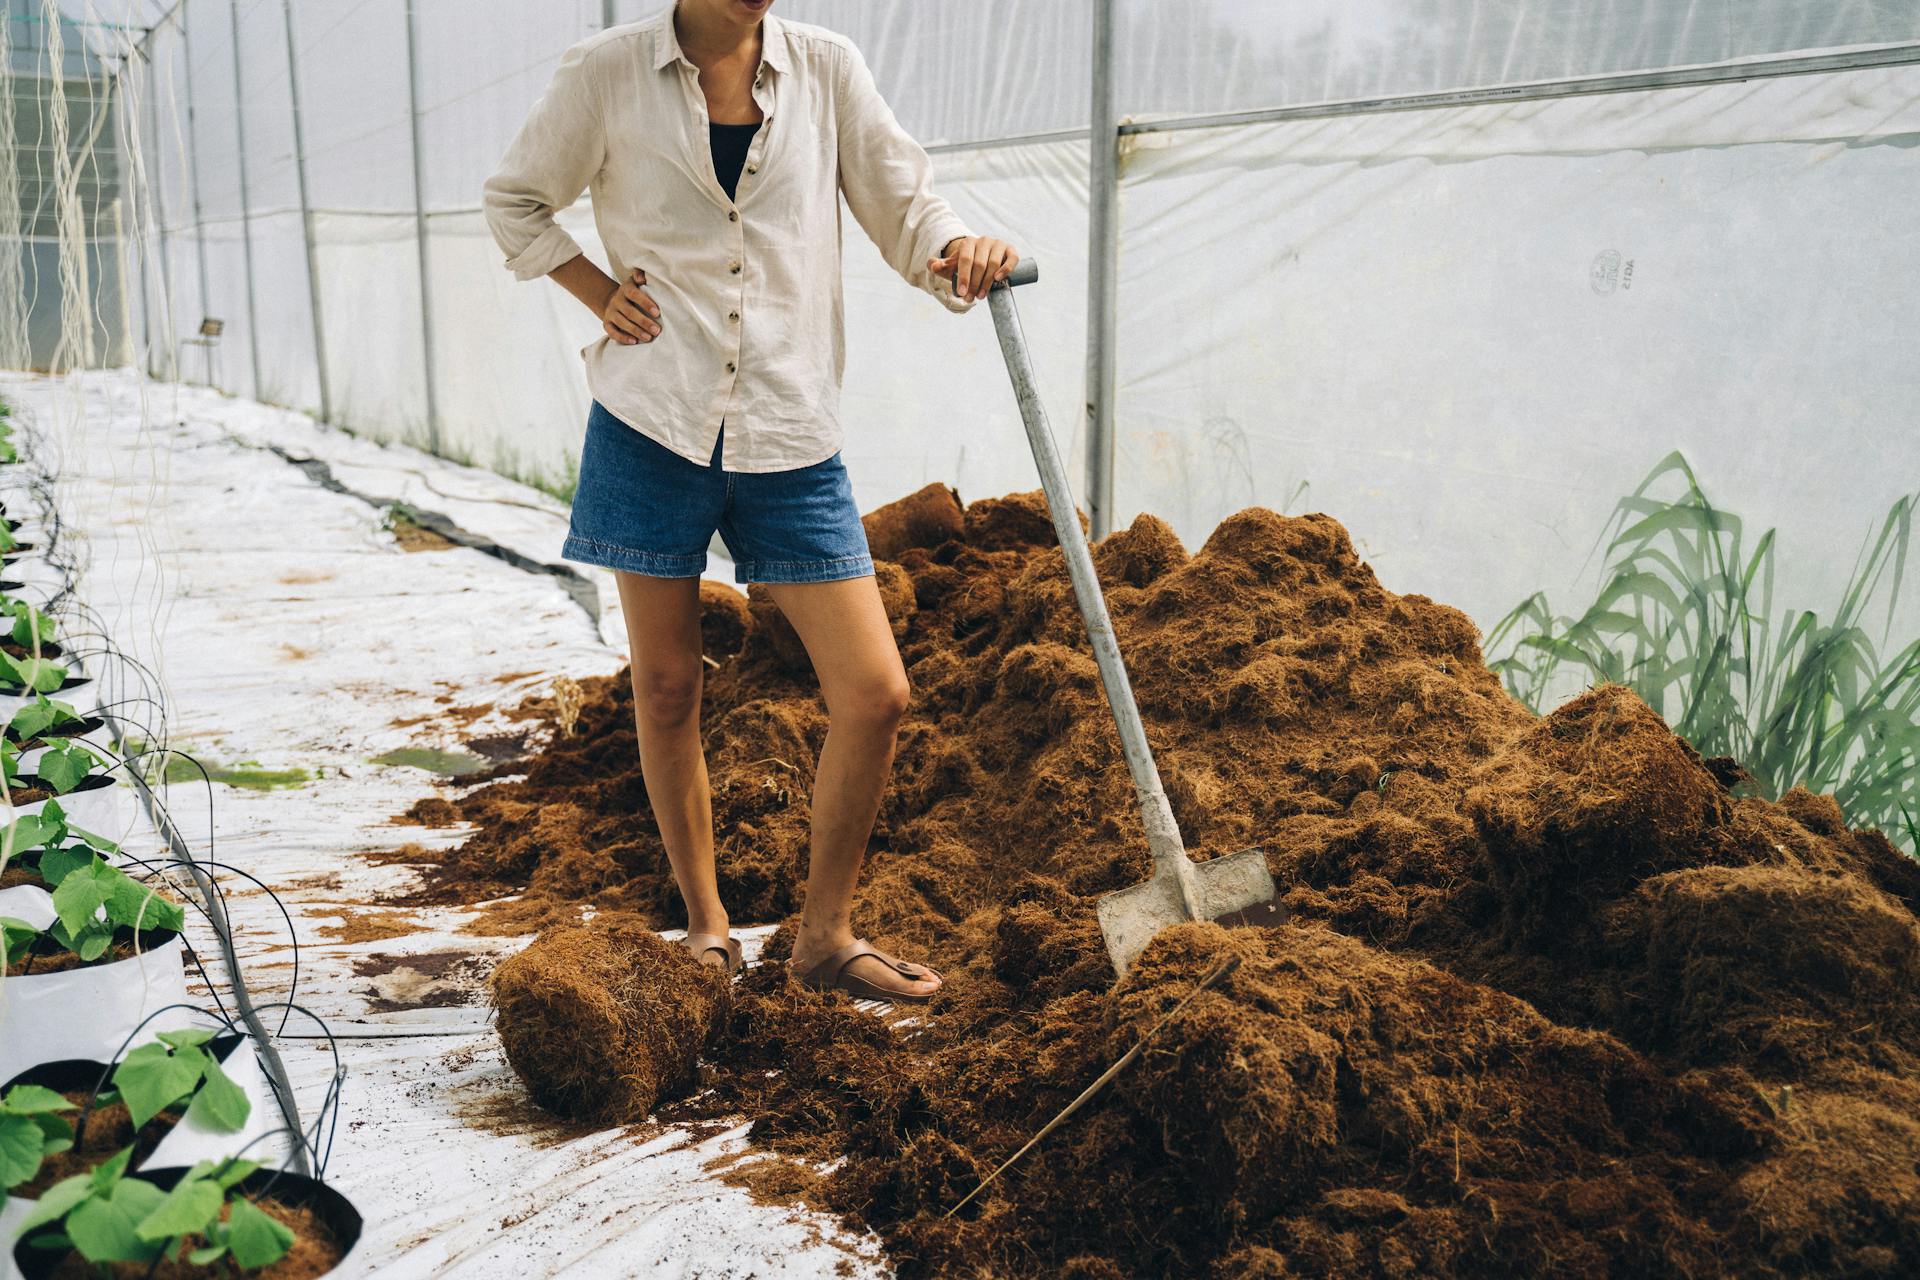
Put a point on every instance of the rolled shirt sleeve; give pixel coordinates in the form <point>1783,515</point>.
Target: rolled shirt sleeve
<point>552,159</point>
<point>888,181</point>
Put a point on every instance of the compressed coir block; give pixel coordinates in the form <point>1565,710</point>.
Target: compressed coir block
<point>602,1021</point>
<point>926,517</point>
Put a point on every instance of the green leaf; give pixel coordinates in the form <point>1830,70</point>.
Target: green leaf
<point>57,1200</point>
<point>186,1037</point>
<point>15,937</point>
<point>39,674</point>
<point>140,906</point>
<point>56,1135</point>
<point>28,831</point>
<point>63,768</point>
<point>256,1238</point>
<point>39,715</point>
<point>82,892</point>
<point>93,841</point>
<point>186,1210</point>
<point>21,1144</point>
<point>107,1228</point>
<point>207,1253</point>
<point>152,1078</point>
<point>32,1099</point>
<point>109,1171</point>
<point>220,1104</point>
<point>235,1171</point>
<point>56,864</point>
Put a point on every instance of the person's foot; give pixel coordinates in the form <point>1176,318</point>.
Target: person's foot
<point>871,970</point>
<point>712,945</point>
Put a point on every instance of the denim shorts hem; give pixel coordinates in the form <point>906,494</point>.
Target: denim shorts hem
<point>803,570</point>
<point>649,563</point>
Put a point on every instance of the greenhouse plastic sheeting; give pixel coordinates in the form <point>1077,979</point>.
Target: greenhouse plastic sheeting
<point>1410,319</point>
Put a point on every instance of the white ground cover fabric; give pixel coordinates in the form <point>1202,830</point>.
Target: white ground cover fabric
<point>294,634</point>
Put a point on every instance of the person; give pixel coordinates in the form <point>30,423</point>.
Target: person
<point>717,141</point>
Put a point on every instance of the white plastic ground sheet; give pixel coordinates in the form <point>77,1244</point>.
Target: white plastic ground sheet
<point>294,633</point>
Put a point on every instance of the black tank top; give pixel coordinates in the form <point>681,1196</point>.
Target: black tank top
<point>730,143</point>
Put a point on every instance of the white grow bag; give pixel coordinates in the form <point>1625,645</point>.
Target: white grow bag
<point>111,811</point>
<point>89,1012</point>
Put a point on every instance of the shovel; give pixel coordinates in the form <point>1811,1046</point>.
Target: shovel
<point>1233,890</point>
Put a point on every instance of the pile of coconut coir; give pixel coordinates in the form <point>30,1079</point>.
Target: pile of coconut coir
<point>1558,997</point>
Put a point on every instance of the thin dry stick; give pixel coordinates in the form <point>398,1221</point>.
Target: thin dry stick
<point>1219,971</point>
<point>568,698</point>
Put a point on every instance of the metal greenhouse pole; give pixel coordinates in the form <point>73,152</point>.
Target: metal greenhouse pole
<point>306,218</point>
<point>149,172</point>
<point>193,171</point>
<point>420,221</point>
<point>1102,260</point>
<point>246,217</point>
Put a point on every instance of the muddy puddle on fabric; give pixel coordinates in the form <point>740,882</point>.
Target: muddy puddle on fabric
<point>1553,1000</point>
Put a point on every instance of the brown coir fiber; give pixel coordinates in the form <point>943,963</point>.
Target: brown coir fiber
<point>1556,997</point>
<point>602,1021</point>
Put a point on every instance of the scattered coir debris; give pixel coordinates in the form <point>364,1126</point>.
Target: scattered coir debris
<point>1558,997</point>
<point>365,925</point>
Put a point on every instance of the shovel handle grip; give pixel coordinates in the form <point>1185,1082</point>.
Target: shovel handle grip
<point>1025,271</point>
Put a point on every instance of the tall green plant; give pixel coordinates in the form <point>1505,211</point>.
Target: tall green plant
<point>1685,617</point>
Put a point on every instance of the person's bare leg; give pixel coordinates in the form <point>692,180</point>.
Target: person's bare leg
<point>844,628</point>
<point>663,639</point>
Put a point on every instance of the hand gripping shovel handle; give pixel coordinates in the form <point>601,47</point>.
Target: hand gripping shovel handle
<point>1163,833</point>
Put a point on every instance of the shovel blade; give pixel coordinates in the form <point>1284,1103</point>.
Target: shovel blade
<point>1234,890</point>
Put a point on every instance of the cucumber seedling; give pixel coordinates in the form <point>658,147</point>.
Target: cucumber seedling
<point>107,1216</point>
<point>175,1070</point>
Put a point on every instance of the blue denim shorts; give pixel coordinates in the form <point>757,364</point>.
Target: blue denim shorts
<point>642,508</point>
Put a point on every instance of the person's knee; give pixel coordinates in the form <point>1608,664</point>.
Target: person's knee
<point>878,704</point>
<point>668,697</point>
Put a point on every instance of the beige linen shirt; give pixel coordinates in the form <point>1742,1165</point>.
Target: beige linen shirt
<point>749,288</point>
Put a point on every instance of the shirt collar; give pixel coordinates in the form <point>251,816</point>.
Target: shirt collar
<point>773,43</point>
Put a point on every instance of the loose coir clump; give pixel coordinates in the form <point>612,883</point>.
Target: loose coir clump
<point>603,1021</point>
<point>1555,999</point>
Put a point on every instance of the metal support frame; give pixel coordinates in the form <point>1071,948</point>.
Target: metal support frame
<point>1103,254</point>
<point>420,221</point>
<point>246,218</point>
<point>193,172</point>
<point>306,218</point>
<point>156,184</point>
<point>1895,55</point>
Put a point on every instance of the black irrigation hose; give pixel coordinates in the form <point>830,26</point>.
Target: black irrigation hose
<point>329,1109</point>
<point>579,588</point>
<point>276,1069</point>
<point>293,981</point>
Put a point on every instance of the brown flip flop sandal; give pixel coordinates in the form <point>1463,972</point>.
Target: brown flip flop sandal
<point>831,973</point>
<point>698,944</point>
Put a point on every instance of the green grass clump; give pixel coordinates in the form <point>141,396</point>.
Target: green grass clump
<point>1685,617</point>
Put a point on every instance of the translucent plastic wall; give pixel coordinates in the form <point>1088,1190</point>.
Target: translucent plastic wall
<point>58,122</point>
<point>1467,329</point>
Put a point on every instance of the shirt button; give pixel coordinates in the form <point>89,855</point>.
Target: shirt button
<point>734,267</point>
<point>753,168</point>
<point>733,215</point>
<point>734,316</point>
<point>729,366</point>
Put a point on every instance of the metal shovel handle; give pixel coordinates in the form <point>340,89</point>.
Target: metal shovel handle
<point>1163,833</point>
